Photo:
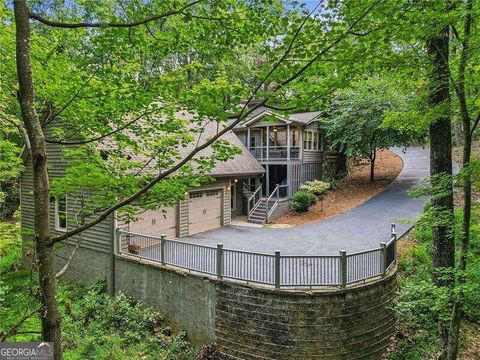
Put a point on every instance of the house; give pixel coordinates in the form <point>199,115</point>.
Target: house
<point>279,153</point>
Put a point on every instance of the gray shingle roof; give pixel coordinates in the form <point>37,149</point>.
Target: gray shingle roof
<point>301,117</point>
<point>242,164</point>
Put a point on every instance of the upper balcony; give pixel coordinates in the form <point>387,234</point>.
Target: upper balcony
<point>275,152</point>
<point>274,142</point>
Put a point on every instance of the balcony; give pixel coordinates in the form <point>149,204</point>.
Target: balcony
<point>275,152</point>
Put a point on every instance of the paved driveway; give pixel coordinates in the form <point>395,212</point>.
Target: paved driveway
<point>361,228</point>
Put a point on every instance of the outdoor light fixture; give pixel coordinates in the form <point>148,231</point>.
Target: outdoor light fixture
<point>236,180</point>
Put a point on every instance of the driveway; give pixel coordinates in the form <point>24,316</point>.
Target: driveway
<point>361,228</point>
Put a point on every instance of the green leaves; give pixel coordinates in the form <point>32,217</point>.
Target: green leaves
<point>355,120</point>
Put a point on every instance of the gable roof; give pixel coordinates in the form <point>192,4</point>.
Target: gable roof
<point>242,164</point>
<point>302,118</point>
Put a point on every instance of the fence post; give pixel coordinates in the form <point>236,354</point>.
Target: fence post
<point>394,237</point>
<point>343,268</point>
<point>383,247</point>
<point>219,261</point>
<point>277,269</point>
<point>118,238</point>
<point>162,248</point>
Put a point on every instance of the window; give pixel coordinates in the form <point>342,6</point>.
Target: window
<point>212,192</point>
<point>195,194</point>
<point>61,213</point>
<point>311,140</point>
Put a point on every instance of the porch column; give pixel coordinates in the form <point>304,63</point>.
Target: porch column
<point>288,143</point>
<point>248,138</point>
<point>268,142</point>
<point>300,142</point>
<point>267,182</point>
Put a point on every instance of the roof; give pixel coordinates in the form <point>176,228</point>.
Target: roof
<point>303,118</point>
<point>242,164</point>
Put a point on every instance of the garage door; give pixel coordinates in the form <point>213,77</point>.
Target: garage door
<point>156,222</point>
<point>204,210</point>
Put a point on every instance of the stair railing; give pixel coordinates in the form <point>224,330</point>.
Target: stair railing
<point>252,201</point>
<point>274,195</point>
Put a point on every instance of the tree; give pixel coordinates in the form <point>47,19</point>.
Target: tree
<point>135,66</point>
<point>355,120</point>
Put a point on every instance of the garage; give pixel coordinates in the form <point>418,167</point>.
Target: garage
<point>204,210</point>
<point>156,222</point>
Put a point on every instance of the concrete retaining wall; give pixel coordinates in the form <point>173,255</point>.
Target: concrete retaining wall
<point>252,322</point>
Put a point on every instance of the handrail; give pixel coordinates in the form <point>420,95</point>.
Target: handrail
<point>272,269</point>
<point>253,196</point>
<point>275,191</point>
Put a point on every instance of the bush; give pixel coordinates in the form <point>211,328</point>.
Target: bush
<point>316,187</point>
<point>302,200</point>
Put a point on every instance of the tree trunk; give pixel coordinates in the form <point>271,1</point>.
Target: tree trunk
<point>373,156</point>
<point>341,163</point>
<point>443,256</point>
<point>452,348</point>
<point>49,312</point>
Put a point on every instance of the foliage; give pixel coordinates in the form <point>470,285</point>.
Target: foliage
<point>355,118</point>
<point>302,200</point>
<point>96,325</point>
<point>315,187</point>
<point>420,303</point>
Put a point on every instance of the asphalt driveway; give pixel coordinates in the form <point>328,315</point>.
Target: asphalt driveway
<point>361,228</point>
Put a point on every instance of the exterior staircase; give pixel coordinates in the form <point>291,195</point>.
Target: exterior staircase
<point>259,213</point>
<point>260,208</point>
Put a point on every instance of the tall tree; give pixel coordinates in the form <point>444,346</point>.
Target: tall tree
<point>98,116</point>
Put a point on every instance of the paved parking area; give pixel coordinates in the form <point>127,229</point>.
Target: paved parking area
<point>361,228</point>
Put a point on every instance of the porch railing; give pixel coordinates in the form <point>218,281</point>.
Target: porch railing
<point>272,269</point>
<point>275,197</point>
<point>275,152</point>
<point>254,200</point>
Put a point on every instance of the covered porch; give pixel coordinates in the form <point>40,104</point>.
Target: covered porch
<point>275,142</point>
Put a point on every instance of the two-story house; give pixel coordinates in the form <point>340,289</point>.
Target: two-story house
<point>279,153</point>
<point>290,149</point>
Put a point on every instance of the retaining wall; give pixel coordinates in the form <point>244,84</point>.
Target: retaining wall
<point>253,322</point>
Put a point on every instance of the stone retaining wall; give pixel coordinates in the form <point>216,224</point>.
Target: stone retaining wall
<point>253,322</point>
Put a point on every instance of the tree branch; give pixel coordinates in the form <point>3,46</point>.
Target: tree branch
<point>14,329</point>
<point>242,115</point>
<point>53,23</point>
<point>21,130</point>
<point>51,141</point>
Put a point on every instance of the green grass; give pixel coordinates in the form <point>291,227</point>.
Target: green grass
<point>95,325</point>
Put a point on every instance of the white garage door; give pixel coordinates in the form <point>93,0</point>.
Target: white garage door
<point>204,210</point>
<point>156,223</point>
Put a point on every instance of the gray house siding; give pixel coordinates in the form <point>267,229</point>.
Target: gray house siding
<point>98,237</point>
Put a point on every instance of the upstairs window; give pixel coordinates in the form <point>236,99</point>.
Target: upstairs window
<point>311,140</point>
<point>61,213</point>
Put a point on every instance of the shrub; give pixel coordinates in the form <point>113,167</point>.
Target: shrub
<point>302,200</point>
<point>316,187</point>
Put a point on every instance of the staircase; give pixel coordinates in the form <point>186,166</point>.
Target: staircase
<point>259,213</point>
<point>260,208</point>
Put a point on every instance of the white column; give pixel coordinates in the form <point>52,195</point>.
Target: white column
<point>288,142</point>
<point>248,138</point>
<point>268,142</point>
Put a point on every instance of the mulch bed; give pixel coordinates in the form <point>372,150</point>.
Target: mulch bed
<point>354,190</point>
